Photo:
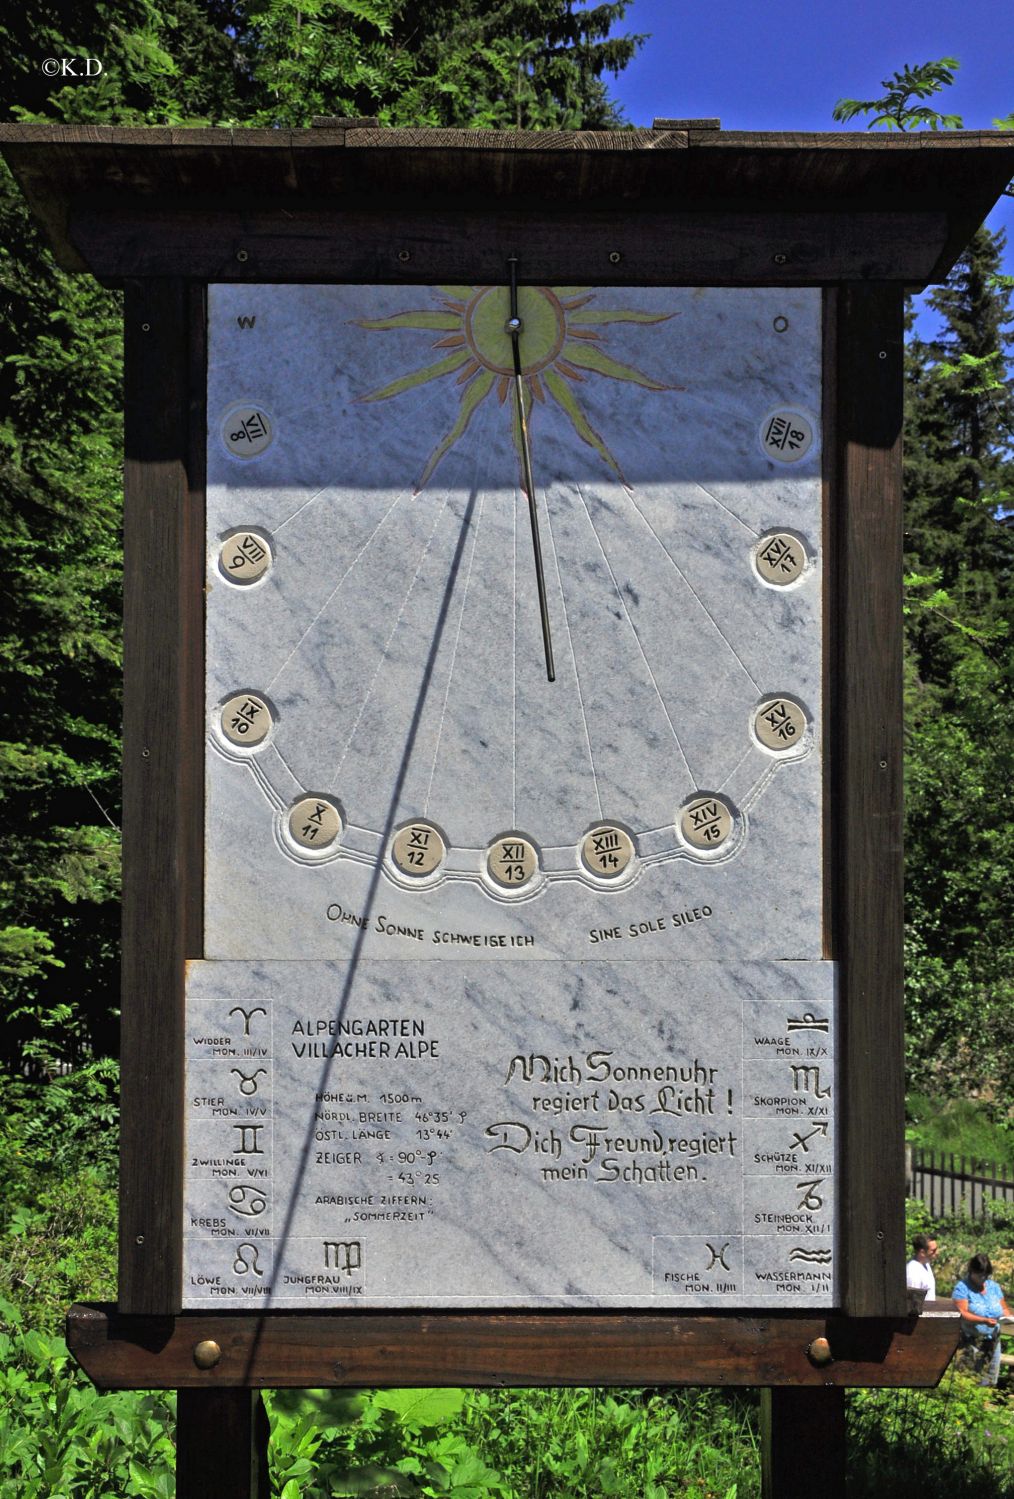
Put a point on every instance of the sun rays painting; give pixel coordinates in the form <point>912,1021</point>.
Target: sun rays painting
<point>561,346</point>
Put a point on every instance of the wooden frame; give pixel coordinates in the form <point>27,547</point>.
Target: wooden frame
<point>164,540</point>
<point>861,216</point>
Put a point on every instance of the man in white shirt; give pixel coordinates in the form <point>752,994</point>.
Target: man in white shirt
<point>919,1270</point>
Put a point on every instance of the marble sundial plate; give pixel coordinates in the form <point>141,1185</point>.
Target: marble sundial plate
<point>389,771</point>
<point>384,1108</point>
<point>656,1134</point>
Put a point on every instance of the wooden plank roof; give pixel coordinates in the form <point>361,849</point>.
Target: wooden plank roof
<point>954,176</point>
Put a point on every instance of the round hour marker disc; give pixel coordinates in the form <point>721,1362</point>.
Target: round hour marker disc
<point>607,851</point>
<point>245,720</point>
<point>244,557</point>
<point>511,861</point>
<point>780,558</point>
<point>786,435</point>
<point>246,431</point>
<point>314,822</point>
<point>418,849</point>
<point>706,822</point>
<point>780,724</point>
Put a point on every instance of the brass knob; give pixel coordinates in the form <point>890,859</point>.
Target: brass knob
<point>819,1352</point>
<point>206,1354</point>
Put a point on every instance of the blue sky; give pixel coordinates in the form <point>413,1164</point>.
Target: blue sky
<point>783,64</point>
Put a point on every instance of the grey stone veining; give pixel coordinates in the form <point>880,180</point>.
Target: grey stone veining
<point>558,1133</point>
<point>397,640</point>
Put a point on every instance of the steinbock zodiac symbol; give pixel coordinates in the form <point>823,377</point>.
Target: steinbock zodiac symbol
<point>250,1202</point>
<point>242,1265</point>
<point>248,1084</point>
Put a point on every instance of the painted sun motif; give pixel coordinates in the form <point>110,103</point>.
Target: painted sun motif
<point>560,347</point>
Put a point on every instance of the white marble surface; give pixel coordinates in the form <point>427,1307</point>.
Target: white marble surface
<point>671,1111</point>
<point>396,634</point>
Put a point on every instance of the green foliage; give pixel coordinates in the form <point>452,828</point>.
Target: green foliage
<point>519,64</point>
<point>60,1437</point>
<point>895,110</point>
<point>954,1442</point>
<point>530,1444</point>
<point>964,1126</point>
<point>959,677</point>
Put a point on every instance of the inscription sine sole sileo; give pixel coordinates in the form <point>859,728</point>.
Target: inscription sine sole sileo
<point>512,991</point>
<point>557,1133</point>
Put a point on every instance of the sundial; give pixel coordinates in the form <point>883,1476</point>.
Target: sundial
<point>381,724</point>
<point>512,751</point>
<point>514,886</point>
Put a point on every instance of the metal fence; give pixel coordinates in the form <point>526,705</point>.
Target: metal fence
<point>950,1183</point>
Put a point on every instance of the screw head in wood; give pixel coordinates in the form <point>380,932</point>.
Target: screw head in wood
<point>404,255</point>
<point>819,1352</point>
<point>206,1354</point>
<point>615,257</point>
<point>242,255</point>
<point>780,258</point>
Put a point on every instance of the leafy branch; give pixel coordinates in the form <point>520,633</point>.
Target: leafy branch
<point>895,110</point>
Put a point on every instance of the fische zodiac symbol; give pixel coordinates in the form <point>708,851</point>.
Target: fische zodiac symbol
<point>717,1257</point>
<point>241,1265</point>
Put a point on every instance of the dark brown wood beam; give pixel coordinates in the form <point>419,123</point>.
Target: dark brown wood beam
<point>865,734</point>
<point>415,242</point>
<point>163,778</point>
<point>305,1350</point>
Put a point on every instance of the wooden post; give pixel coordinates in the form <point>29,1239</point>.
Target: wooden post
<point>802,1443</point>
<point>221,1445</point>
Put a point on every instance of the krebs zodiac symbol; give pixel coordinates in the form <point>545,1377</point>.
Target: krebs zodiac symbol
<point>250,1202</point>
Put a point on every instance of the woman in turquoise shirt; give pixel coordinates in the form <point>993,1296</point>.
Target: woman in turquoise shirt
<point>982,1307</point>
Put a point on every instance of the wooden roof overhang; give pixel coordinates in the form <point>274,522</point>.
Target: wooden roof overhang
<point>356,202</point>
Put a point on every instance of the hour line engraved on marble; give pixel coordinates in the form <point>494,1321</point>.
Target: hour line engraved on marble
<point>454,656</point>
<point>573,654</point>
<point>387,643</point>
<point>684,579</point>
<point>633,631</point>
<point>476,528</point>
<point>747,753</point>
<point>256,766</point>
<point>335,590</point>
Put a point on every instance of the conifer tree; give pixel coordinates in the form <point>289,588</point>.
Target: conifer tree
<point>959,557</point>
<point>509,63</point>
